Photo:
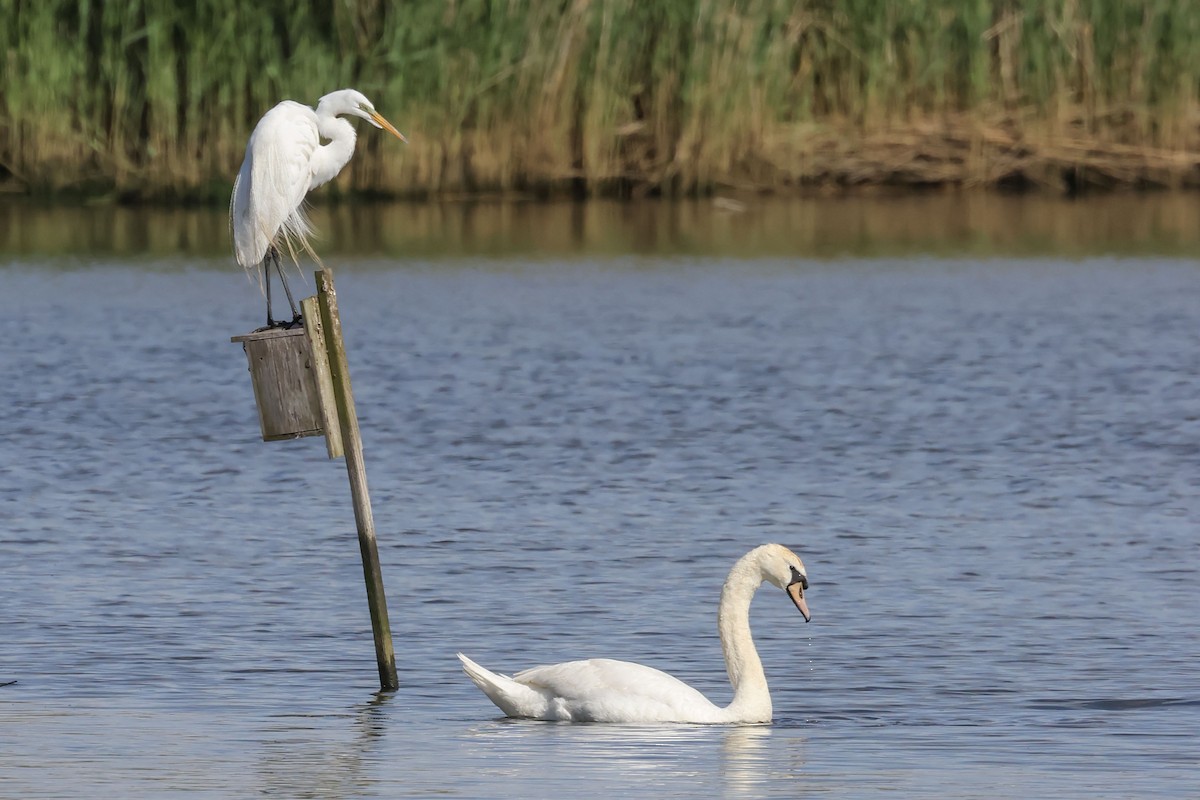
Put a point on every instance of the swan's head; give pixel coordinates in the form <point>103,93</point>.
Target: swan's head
<point>784,569</point>
<point>351,101</point>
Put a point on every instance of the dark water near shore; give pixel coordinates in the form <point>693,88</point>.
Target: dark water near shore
<point>989,464</point>
<point>967,224</point>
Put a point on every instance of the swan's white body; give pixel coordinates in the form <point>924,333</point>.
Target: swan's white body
<point>604,690</point>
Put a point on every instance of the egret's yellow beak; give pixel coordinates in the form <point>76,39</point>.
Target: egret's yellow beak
<point>387,126</point>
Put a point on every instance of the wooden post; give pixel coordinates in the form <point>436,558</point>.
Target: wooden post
<point>324,380</point>
<point>357,471</point>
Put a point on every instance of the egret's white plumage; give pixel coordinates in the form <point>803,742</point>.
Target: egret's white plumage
<point>284,161</point>
<point>604,690</point>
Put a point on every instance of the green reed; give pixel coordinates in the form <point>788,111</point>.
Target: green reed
<point>155,98</point>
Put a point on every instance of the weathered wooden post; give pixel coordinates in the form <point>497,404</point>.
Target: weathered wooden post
<point>356,469</point>
<point>302,388</point>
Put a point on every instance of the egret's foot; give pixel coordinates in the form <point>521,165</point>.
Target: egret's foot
<point>296,322</point>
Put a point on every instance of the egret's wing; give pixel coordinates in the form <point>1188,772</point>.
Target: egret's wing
<point>268,196</point>
<point>248,246</point>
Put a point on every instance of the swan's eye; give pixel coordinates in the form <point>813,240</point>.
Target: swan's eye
<point>797,577</point>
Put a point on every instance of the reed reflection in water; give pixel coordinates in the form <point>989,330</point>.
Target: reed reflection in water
<point>956,223</point>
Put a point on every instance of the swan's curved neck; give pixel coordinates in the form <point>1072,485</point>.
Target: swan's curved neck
<point>328,159</point>
<point>750,693</point>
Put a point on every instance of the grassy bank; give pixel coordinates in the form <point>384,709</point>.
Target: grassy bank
<point>152,98</point>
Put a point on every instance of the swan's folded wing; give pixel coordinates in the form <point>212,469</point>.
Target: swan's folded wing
<point>605,690</point>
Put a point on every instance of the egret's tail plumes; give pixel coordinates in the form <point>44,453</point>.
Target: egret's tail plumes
<point>294,234</point>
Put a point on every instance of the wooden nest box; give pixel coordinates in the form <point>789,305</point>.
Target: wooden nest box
<point>293,388</point>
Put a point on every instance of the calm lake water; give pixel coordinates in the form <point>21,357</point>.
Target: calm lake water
<point>988,457</point>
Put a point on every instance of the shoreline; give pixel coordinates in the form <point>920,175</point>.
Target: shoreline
<point>953,153</point>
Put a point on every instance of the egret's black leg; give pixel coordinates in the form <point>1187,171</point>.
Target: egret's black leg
<point>286,289</point>
<point>266,264</point>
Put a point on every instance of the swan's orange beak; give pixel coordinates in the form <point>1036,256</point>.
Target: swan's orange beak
<point>387,126</point>
<point>796,592</point>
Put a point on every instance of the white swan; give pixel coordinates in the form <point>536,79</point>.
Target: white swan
<point>604,690</point>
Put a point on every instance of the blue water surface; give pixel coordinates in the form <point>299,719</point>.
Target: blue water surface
<point>990,467</point>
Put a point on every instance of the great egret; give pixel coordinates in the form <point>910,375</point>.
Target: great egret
<point>285,160</point>
<point>604,690</point>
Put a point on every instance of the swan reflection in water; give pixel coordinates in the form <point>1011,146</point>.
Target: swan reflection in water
<point>743,760</point>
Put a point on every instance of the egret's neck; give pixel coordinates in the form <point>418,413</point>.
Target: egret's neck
<point>733,622</point>
<point>329,159</point>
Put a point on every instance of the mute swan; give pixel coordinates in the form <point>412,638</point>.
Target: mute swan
<point>604,690</point>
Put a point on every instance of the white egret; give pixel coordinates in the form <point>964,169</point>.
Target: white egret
<point>604,690</point>
<point>285,160</point>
